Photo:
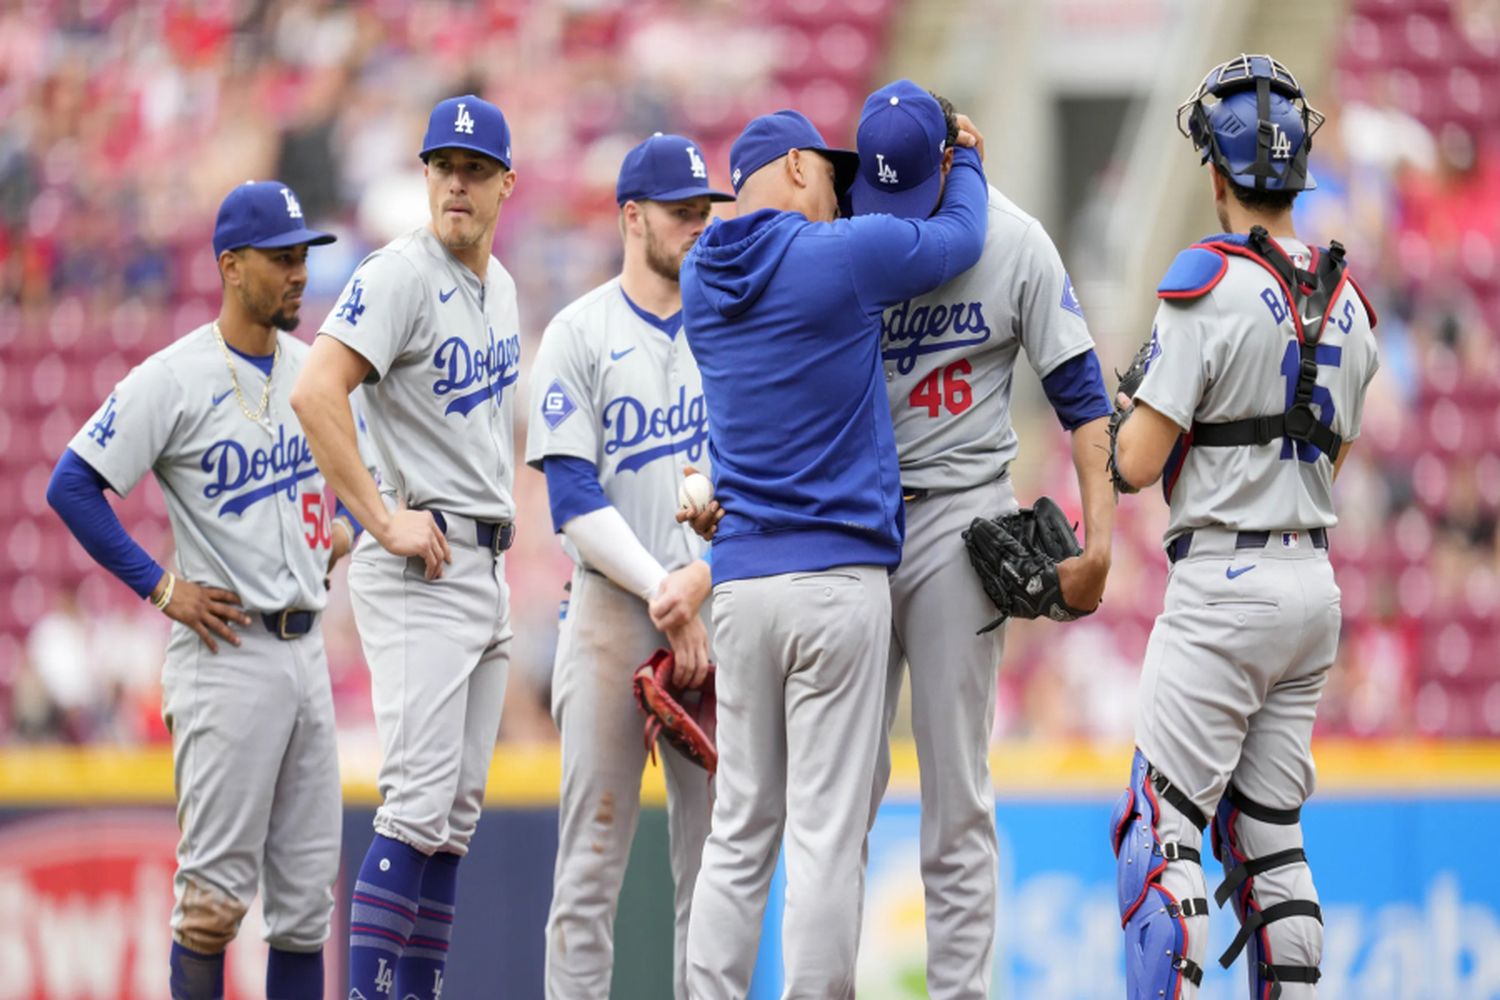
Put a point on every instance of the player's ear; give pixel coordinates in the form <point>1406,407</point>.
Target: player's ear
<point>947,160</point>
<point>796,168</point>
<point>507,183</point>
<point>229,267</point>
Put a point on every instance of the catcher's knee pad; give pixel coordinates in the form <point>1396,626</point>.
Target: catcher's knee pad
<point>1156,832</point>
<point>208,919</point>
<point>1267,877</point>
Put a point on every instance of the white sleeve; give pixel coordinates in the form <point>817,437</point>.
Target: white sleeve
<point>607,544</point>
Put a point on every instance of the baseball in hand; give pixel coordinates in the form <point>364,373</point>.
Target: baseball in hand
<point>695,492</point>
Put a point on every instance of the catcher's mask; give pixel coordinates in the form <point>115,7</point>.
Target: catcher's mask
<point>1251,118</point>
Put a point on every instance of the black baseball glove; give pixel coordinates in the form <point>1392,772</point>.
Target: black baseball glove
<point>1130,381</point>
<point>1016,557</point>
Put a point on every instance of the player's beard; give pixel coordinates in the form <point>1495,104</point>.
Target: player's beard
<point>659,258</point>
<point>281,321</point>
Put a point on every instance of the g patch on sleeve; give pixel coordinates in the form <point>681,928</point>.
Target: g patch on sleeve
<point>557,405</point>
<point>1070,298</point>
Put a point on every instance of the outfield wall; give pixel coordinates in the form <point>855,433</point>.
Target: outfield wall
<point>1398,837</point>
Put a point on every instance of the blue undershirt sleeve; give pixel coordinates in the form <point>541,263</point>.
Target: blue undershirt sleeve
<point>572,488</point>
<point>339,510</point>
<point>1076,391</point>
<point>76,492</point>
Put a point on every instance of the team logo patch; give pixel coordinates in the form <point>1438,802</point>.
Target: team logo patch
<point>557,405</point>
<point>352,308</point>
<point>1290,539</point>
<point>1154,352</point>
<point>104,427</point>
<point>1070,298</point>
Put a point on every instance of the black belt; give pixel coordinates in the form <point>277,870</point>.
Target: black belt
<point>1179,546</point>
<point>289,623</point>
<point>911,493</point>
<point>492,535</point>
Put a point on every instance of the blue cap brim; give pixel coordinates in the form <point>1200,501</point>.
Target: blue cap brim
<point>845,167</point>
<point>917,202</point>
<point>680,194</point>
<point>294,238</point>
<point>471,147</point>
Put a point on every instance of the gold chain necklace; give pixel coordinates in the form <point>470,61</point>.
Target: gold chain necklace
<point>234,375</point>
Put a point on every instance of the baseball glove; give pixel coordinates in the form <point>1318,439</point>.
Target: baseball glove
<point>684,717</point>
<point>1130,381</point>
<point>1016,557</point>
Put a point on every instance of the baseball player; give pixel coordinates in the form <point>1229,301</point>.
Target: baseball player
<point>245,688</point>
<point>619,415</point>
<point>948,358</point>
<point>782,308</point>
<point>1252,387</point>
<point>429,322</point>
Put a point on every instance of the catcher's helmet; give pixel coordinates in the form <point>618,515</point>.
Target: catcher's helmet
<point>1250,117</point>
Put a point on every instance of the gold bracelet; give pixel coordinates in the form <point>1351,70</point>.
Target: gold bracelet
<point>165,598</point>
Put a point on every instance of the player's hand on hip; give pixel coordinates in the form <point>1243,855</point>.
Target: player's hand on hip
<point>680,595</point>
<point>1082,580</point>
<point>969,135</point>
<point>705,520</point>
<point>409,532</point>
<point>690,653</point>
<point>208,611</point>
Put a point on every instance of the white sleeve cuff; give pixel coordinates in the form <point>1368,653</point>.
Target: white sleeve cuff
<point>607,544</point>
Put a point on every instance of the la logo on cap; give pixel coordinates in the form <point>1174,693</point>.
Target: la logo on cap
<point>700,169</point>
<point>293,209</point>
<point>886,173</point>
<point>464,122</point>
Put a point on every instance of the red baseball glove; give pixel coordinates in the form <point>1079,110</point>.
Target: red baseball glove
<point>683,716</point>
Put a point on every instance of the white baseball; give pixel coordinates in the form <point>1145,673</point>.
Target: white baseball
<point>694,492</point>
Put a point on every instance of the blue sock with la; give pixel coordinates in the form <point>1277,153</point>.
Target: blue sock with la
<point>382,916</point>
<point>420,973</point>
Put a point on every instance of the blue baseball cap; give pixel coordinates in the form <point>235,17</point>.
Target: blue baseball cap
<point>263,214</point>
<point>471,123</point>
<point>902,137</point>
<point>665,168</point>
<point>769,137</point>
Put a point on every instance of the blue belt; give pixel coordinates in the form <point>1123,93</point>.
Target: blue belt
<point>1179,546</point>
<point>494,536</point>
<point>289,623</point>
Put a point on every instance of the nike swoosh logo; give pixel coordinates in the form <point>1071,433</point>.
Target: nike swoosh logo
<point>223,396</point>
<point>445,296</point>
<point>1231,572</point>
<point>617,355</point>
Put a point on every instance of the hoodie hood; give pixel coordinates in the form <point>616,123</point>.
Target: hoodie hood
<point>734,260</point>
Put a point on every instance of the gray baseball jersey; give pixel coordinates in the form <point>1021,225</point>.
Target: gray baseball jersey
<point>611,388</point>
<point>246,505</point>
<point>244,498</point>
<point>445,348</point>
<point>1243,327</point>
<point>950,354</point>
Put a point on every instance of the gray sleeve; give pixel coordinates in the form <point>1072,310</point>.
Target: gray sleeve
<point>1372,365</point>
<point>377,311</point>
<point>125,436</point>
<point>1052,327</point>
<point>1177,373</point>
<point>564,419</point>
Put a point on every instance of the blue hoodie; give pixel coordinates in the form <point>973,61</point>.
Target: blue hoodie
<point>783,318</point>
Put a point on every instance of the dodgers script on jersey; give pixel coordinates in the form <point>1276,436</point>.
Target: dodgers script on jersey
<point>611,388</point>
<point>950,354</point>
<point>226,478</point>
<point>1283,484</point>
<point>442,399</point>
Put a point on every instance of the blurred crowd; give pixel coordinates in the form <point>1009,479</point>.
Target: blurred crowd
<point>123,124</point>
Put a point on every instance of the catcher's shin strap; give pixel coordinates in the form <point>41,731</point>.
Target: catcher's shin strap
<point>1177,797</point>
<point>1309,295</point>
<point>1259,918</point>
